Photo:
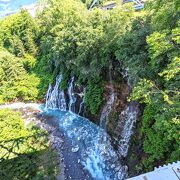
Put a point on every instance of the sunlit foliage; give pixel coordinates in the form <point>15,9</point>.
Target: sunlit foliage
<point>15,82</point>
<point>24,150</point>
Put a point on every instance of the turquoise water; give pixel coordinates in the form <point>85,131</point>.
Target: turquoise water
<point>11,6</point>
<point>91,144</point>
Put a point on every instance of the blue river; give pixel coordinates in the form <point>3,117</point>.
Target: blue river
<point>92,145</point>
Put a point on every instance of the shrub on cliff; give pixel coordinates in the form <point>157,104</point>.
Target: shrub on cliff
<point>94,94</point>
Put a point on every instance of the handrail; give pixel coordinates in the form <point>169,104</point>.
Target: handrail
<point>138,4</point>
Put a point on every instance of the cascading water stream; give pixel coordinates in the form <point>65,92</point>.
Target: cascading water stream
<point>48,94</point>
<point>126,76</point>
<point>108,106</point>
<point>72,98</point>
<point>92,143</point>
<point>129,117</point>
<point>106,111</point>
<point>81,106</point>
<point>55,98</point>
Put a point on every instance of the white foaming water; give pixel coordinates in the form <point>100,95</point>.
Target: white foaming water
<point>129,116</point>
<point>126,76</point>
<point>62,101</point>
<point>20,105</point>
<point>105,112</point>
<point>91,143</point>
<point>55,98</point>
<point>81,106</point>
<point>48,94</point>
<point>72,98</point>
<point>108,106</point>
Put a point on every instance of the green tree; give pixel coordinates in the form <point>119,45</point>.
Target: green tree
<point>15,82</point>
<point>18,33</point>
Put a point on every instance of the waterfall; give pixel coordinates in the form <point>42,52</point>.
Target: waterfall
<point>129,117</point>
<point>72,98</point>
<point>81,106</point>
<point>108,106</point>
<point>62,101</point>
<point>55,98</point>
<point>48,94</point>
<point>126,76</point>
<point>105,112</point>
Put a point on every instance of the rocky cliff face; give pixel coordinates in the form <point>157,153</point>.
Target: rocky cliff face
<point>122,118</point>
<point>117,84</point>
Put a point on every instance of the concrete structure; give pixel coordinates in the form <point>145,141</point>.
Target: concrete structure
<point>138,4</point>
<point>166,172</point>
<point>32,9</point>
<point>109,5</point>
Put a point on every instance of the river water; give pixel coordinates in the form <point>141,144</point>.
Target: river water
<point>91,144</point>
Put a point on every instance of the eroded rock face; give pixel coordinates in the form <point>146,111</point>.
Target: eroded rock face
<point>116,121</point>
<point>122,92</point>
<point>117,85</point>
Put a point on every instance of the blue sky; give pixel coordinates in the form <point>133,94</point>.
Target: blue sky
<point>8,6</point>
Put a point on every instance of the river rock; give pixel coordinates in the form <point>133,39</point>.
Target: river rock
<point>75,149</point>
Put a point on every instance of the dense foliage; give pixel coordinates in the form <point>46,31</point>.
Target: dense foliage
<point>18,34</point>
<point>94,93</point>
<point>159,86</point>
<point>80,42</point>
<point>24,151</point>
<point>67,38</point>
<point>15,82</point>
<point>145,43</point>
